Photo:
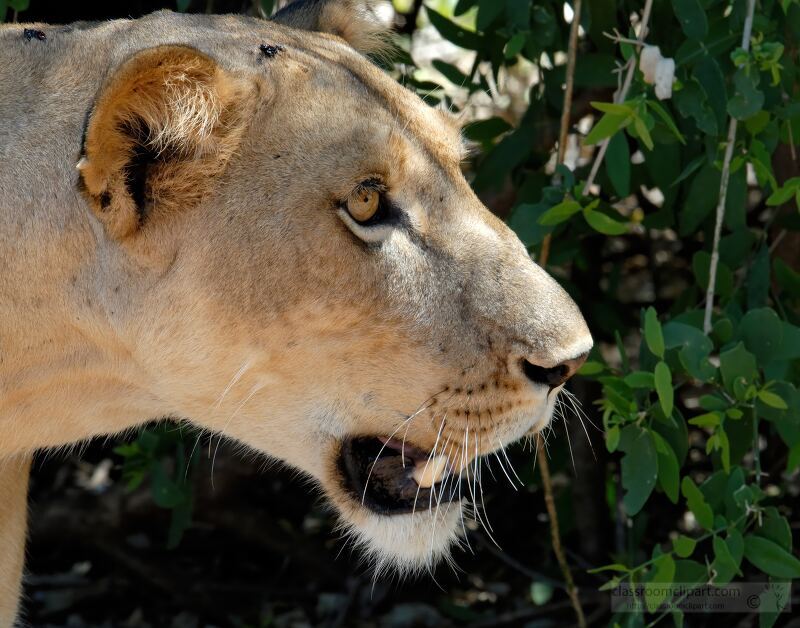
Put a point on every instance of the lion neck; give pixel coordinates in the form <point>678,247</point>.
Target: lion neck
<point>60,362</point>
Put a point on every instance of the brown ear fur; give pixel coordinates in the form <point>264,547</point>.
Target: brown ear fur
<point>352,20</point>
<point>165,124</point>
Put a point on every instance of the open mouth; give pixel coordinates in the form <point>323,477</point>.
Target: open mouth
<point>392,478</point>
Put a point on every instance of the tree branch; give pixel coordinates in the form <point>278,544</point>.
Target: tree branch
<point>544,467</point>
<point>723,185</point>
<point>555,534</point>
<point>621,94</point>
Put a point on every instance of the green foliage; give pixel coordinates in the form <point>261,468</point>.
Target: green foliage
<point>722,394</point>
<point>159,454</point>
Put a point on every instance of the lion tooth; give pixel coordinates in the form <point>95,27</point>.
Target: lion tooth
<point>427,473</point>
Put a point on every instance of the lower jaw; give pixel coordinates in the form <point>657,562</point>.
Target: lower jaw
<point>381,479</point>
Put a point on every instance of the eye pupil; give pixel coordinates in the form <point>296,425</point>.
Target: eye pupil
<point>363,204</point>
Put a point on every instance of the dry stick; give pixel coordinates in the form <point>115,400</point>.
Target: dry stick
<point>567,108</point>
<point>544,467</point>
<point>555,535</point>
<point>622,94</point>
<point>723,185</point>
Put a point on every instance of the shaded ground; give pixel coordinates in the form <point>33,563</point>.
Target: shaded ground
<point>262,551</point>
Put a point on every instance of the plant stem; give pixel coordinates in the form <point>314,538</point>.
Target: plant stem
<point>723,185</point>
<point>756,450</point>
<point>555,535</point>
<point>621,95</point>
<point>544,466</point>
<point>563,133</point>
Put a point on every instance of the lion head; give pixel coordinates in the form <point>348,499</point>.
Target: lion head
<point>291,256</point>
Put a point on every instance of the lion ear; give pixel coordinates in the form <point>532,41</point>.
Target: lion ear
<point>355,21</point>
<point>164,126</point>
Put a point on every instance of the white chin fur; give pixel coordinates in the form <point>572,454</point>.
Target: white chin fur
<point>404,544</point>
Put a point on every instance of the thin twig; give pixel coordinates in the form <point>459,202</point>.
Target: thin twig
<point>555,534</point>
<point>621,94</point>
<point>723,184</point>
<point>567,107</point>
<point>544,467</point>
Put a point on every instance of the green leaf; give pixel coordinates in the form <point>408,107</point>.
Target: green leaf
<point>735,207</point>
<point>653,334</point>
<point>772,602</point>
<point>485,130</point>
<point>639,467</point>
<point>747,99</point>
<point>758,279</point>
<point>611,567</point>
<point>692,102</point>
<point>711,80</point>
<point>701,199</point>
<point>776,528</point>
<point>518,12</point>
<point>697,503</point>
<point>770,557</point>
<point>451,73</point>
<point>640,379</point>
<point>618,164</point>
<point>785,193</point>
<point>690,169</point>
<point>488,12</point>
<point>668,468</point>
<point>612,439</point>
<point>605,127</point>
<point>762,334</point>
<point>663,379</point>
<point>724,563</point>
<point>772,400</point>
<point>659,110</point>
<point>603,223</point>
<point>454,33</point>
<point>561,212</point>
<point>643,132</point>
<point>737,364</point>
<point>692,18</point>
<point>165,491</point>
<point>620,109</point>
<point>515,45</point>
<point>663,574</point>
<point>701,265</point>
<point>710,420</point>
<point>591,368</point>
<point>787,277</point>
<point>684,546</point>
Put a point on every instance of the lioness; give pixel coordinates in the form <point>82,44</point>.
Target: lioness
<point>248,225</point>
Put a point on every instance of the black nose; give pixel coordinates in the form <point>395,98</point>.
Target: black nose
<point>554,376</point>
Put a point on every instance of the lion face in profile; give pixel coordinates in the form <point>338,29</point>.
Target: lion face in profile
<point>285,251</point>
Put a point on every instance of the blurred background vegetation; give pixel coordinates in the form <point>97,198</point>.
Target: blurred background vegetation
<point>685,468</point>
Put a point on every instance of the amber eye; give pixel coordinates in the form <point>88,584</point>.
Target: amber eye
<point>363,203</point>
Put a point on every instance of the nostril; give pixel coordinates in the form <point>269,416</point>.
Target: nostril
<point>551,377</point>
<point>554,376</point>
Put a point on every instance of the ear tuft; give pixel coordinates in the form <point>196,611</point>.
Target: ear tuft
<point>164,126</point>
<point>355,21</point>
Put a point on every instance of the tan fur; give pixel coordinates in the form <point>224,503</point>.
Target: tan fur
<point>177,103</point>
<point>240,296</point>
<point>13,497</point>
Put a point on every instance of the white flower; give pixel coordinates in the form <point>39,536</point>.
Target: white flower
<point>665,74</point>
<point>648,59</point>
<point>657,70</point>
